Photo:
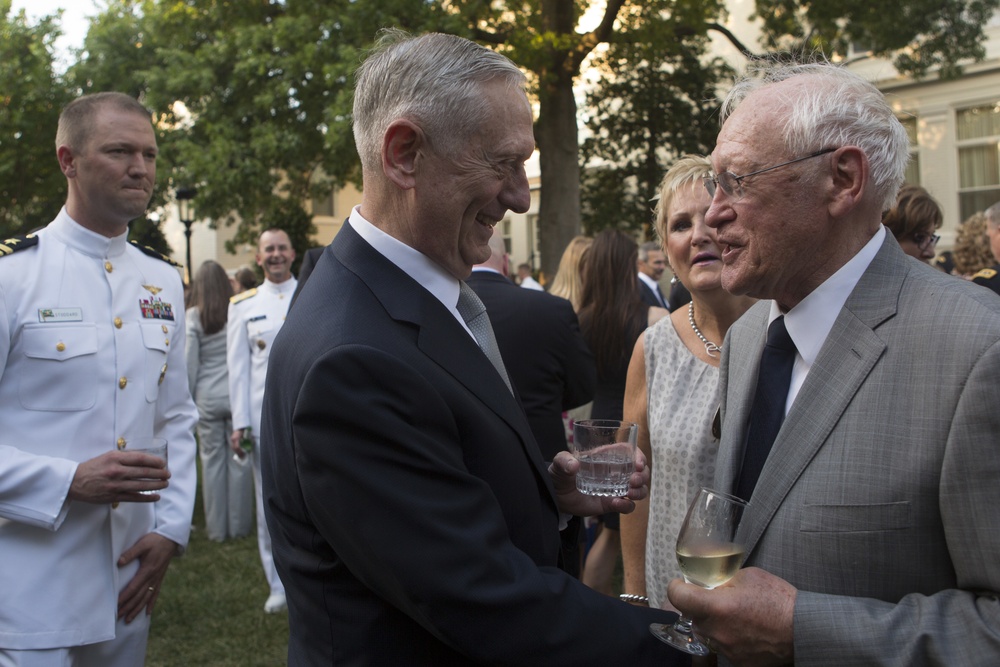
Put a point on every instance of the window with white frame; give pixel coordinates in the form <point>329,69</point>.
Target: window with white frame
<point>977,132</point>
<point>912,175</point>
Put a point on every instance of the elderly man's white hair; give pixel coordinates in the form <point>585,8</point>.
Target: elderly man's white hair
<point>841,109</point>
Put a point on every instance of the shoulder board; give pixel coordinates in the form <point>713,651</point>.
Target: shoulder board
<point>157,255</point>
<point>12,245</point>
<point>985,273</point>
<point>242,296</point>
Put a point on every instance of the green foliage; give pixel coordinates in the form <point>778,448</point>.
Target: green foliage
<point>656,101</point>
<point>917,34</point>
<point>32,187</point>
<point>254,97</point>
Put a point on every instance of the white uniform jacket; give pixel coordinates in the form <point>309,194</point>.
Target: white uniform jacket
<point>255,316</point>
<point>91,355</point>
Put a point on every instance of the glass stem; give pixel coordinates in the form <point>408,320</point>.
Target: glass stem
<point>683,626</point>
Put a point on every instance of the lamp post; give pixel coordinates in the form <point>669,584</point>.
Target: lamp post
<point>184,195</point>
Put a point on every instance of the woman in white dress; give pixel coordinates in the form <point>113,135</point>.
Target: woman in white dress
<point>672,388</point>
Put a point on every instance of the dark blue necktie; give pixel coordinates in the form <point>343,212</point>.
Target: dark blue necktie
<point>768,409</point>
<point>659,295</point>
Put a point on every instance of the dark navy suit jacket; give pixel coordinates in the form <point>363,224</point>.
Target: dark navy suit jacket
<point>411,514</point>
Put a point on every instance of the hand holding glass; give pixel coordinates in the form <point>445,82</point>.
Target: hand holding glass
<point>708,557</point>
<point>605,449</point>
<point>153,447</point>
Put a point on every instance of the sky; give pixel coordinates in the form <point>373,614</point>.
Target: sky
<point>74,22</point>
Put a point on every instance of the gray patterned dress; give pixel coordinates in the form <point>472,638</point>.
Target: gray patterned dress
<point>682,399</point>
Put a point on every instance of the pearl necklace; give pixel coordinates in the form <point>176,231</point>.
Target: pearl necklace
<point>710,347</point>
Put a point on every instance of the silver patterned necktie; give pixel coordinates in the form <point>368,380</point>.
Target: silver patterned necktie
<point>472,310</point>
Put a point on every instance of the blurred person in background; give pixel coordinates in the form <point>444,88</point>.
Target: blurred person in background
<point>568,284</point>
<point>971,253</point>
<point>612,317</point>
<point>525,279</point>
<point>990,277</point>
<point>914,221</point>
<point>226,484</point>
<point>244,279</point>
<point>673,384</point>
<point>650,269</point>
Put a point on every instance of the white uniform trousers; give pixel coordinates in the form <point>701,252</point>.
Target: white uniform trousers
<point>264,537</point>
<point>226,485</point>
<point>127,649</point>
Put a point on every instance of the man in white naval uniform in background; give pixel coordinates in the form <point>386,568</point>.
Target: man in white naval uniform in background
<point>91,360</point>
<point>255,316</point>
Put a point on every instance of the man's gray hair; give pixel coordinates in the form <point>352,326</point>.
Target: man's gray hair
<point>842,109</point>
<point>433,80</point>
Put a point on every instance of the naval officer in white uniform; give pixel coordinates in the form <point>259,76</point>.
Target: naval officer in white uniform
<point>255,316</point>
<point>91,361</point>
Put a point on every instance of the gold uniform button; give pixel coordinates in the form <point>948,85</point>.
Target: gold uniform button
<point>60,346</point>
<point>114,505</point>
<point>163,373</point>
<point>121,444</point>
<point>122,381</point>
<point>108,267</point>
<point>167,342</point>
<point>164,327</point>
<point>118,323</point>
<point>261,344</point>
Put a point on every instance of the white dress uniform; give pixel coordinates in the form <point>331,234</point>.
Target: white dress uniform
<point>255,316</point>
<point>91,357</point>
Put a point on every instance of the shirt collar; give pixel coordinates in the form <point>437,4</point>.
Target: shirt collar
<point>649,281</point>
<point>414,263</point>
<point>811,320</point>
<point>75,235</point>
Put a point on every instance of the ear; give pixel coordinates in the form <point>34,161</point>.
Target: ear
<point>851,180</point>
<point>401,146</point>
<point>67,161</point>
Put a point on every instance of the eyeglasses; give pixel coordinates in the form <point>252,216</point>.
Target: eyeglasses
<point>732,185</point>
<point>925,241</point>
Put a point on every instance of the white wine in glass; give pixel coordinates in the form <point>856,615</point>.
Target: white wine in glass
<point>708,557</point>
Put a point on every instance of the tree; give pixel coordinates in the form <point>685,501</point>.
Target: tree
<point>32,188</point>
<point>652,106</point>
<point>266,84</point>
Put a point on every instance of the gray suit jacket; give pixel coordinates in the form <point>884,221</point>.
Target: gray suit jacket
<point>880,500</point>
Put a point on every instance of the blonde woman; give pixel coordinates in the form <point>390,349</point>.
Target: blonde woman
<point>567,282</point>
<point>672,389</point>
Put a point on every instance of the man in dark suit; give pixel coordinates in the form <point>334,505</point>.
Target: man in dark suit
<point>651,265</point>
<point>413,518</point>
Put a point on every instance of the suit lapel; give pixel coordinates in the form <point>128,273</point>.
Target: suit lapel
<point>848,356</point>
<point>440,336</point>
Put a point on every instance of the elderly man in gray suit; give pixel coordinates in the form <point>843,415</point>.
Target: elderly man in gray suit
<point>873,531</point>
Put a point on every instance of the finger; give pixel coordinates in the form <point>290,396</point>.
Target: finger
<point>152,600</point>
<point>131,603</point>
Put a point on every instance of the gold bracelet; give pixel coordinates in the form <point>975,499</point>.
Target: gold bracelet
<point>631,597</point>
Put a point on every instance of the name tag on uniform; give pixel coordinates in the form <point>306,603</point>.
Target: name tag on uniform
<point>60,314</point>
<point>257,318</point>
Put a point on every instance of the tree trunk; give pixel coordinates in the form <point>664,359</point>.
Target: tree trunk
<point>556,134</point>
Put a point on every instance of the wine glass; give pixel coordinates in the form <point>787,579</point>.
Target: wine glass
<point>708,557</point>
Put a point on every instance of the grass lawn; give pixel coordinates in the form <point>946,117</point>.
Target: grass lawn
<point>211,609</point>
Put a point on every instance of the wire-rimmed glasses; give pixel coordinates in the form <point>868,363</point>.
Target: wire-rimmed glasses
<point>732,185</point>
